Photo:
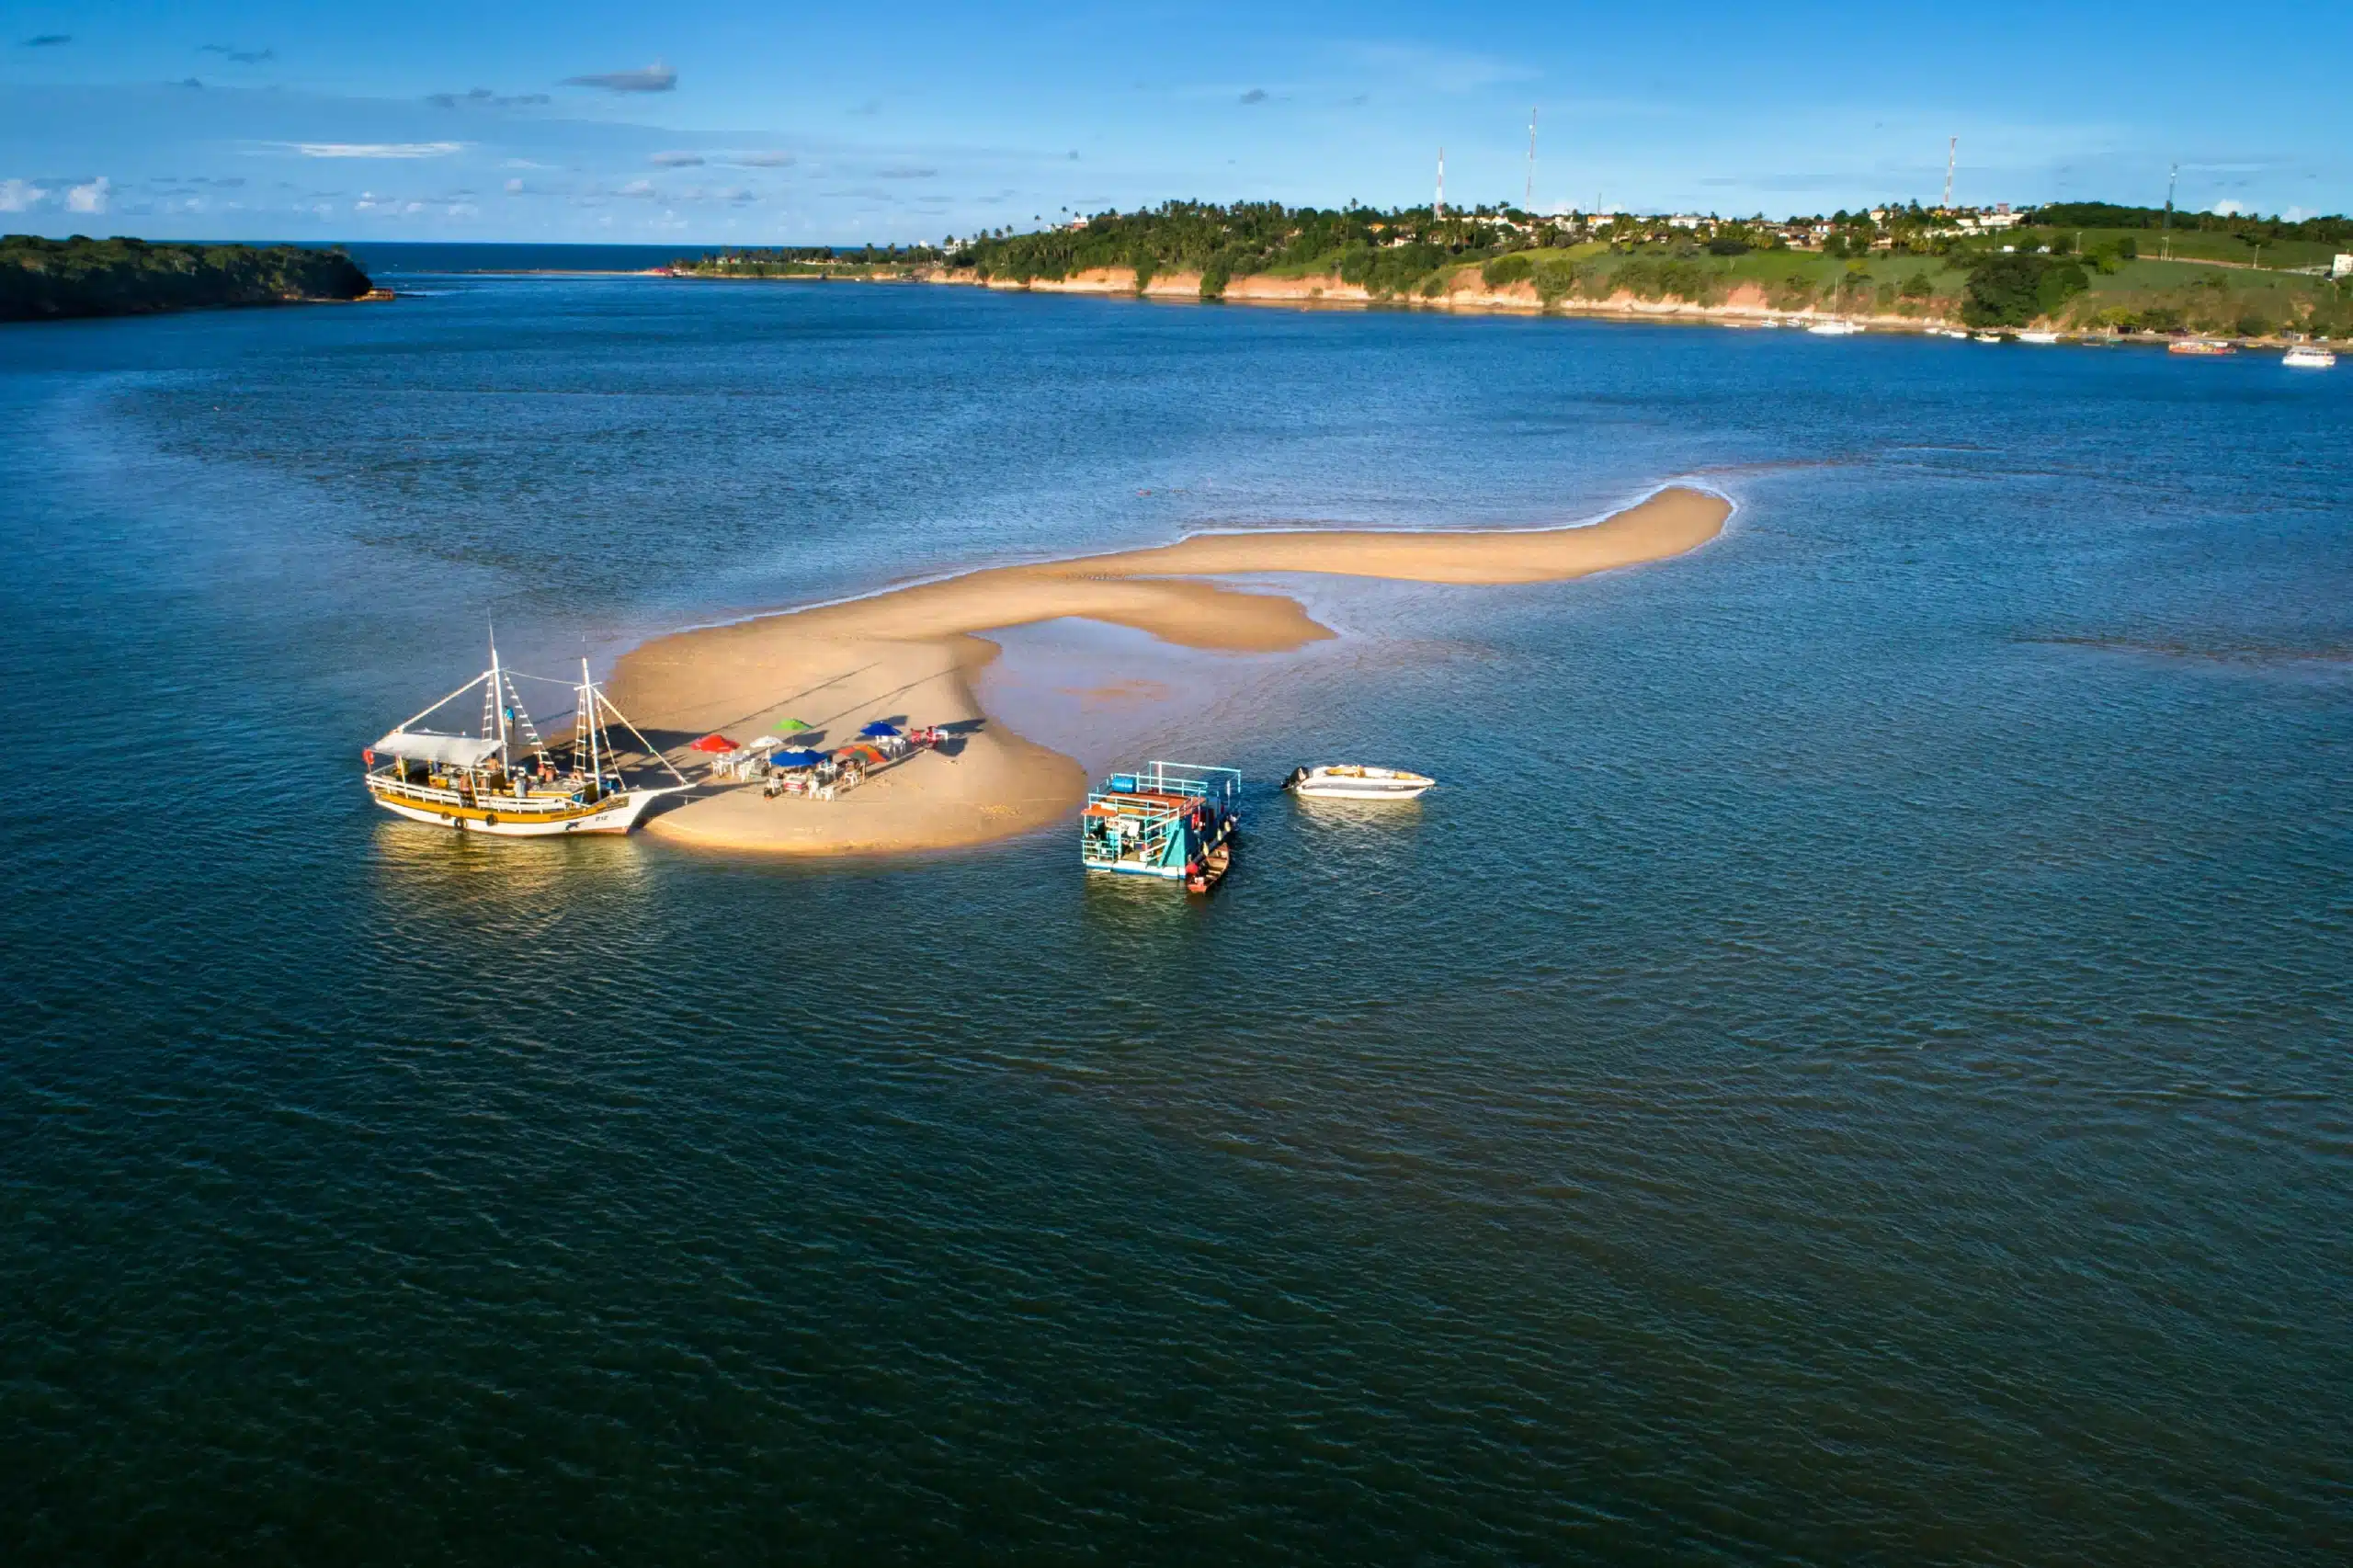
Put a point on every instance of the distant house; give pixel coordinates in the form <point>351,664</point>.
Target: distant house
<point>2342,267</point>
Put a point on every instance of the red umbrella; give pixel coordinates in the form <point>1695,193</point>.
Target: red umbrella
<point>714,743</point>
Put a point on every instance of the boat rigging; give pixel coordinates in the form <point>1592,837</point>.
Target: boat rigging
<point>476,783</point>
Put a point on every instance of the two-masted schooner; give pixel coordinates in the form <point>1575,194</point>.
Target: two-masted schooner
<point>506,780</point>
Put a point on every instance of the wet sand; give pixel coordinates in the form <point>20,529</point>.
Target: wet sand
<point>909,655</point>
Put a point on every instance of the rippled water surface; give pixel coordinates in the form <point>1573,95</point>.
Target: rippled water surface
<point>1852,1067</point>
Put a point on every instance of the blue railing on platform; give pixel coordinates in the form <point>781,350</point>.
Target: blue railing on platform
<point>1125,829</point>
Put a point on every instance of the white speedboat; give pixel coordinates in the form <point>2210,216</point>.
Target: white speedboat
<point>1990,337</point>
<point>2304,357</point>
<point>2037,337</point>
<point>1346,781</point>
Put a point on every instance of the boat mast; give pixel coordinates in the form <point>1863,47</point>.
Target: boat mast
<point>498,701</point>
<point>588,717</point>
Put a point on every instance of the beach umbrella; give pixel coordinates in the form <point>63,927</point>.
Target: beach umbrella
<point>714,743</point>
<point>878,729</point>
<point>791,727</point>
<point>796,757</point>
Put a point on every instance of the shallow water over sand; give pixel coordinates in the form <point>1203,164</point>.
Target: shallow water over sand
<point>1852,1065</point>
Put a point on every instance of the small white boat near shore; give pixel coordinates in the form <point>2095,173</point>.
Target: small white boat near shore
<point>1834,327</point>
<point>2037,336</point>
<point>1347,782</point>
<point>2305,357</point>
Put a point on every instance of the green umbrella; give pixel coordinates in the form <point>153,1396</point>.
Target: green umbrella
<point>791,727</point>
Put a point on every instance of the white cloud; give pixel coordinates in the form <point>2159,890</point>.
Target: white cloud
<point>17,196</point>
<point>378,149</point>
<point>761,160</point>
<point>675,160</point>
<point>2228,209</point>
<point>90,197</point>
<point>655,78</point>
<point>514,187</point>
<point>639,188</point>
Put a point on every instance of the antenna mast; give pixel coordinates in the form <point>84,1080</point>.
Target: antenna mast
<point>1437,213</point>
<point>1527,199</point>
<point>1952,150</point>
<point>2172,177</point>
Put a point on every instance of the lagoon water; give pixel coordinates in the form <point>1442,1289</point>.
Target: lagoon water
<point>1852,1067</point>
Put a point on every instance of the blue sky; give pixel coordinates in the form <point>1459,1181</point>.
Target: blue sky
<point>720,123</point>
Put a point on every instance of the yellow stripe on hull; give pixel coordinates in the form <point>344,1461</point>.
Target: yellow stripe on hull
<point>617,814</point>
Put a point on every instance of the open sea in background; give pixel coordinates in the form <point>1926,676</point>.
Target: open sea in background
<point>1851,1068</point>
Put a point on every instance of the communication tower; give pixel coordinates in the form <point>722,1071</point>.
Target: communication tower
<point>1528,198</point>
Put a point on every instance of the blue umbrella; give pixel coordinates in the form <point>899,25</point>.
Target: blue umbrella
<point>797,758</point>
<point>878,729</point>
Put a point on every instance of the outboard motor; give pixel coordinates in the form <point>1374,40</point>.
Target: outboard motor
<point>1296,774</point>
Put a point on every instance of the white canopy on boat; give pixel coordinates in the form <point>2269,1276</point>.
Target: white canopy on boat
<point>456,751</point>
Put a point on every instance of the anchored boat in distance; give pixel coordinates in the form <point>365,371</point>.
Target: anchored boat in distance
<point>475,784</point>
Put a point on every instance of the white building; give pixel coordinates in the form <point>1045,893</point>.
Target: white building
<point>2342,267</point>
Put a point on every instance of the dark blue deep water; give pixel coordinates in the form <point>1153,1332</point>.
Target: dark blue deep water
<point>1852,1069</point>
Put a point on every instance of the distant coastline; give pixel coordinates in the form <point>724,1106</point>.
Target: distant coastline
<point>1465,292</point>
<point>63,280</point>
<point>2090,269</point>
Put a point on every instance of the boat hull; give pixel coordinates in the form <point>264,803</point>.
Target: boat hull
<point>616,813</point>
<point>1358,791</point>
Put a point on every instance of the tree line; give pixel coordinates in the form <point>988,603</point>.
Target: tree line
<point>43,280</point>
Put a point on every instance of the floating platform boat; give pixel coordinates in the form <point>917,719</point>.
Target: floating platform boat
<point>507,781</point>
<point>2200,346</point>
<point>1173,820</point>
<point>2304,357</point>
<point>1346,781</point>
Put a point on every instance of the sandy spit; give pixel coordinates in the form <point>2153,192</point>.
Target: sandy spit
<point>909,655</point>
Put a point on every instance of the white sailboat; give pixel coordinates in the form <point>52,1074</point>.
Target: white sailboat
<point>475,783</point>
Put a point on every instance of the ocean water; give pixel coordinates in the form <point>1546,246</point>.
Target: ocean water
<point>1851,1068</point>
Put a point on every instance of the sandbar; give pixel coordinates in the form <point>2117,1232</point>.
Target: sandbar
<point>909,655</point>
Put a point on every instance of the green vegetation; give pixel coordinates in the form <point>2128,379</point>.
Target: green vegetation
<point>2011,291</point>
<point>47,278</point>
<point>813,261</point>
<point>2084,267</point>
<point>1387,253</point>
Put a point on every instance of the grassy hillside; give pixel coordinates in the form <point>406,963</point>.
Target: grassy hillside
<point>45,279</point>
<point>2084,266</point>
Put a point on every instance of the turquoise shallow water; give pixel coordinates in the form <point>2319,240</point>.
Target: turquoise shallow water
<point>1852,1068</point>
